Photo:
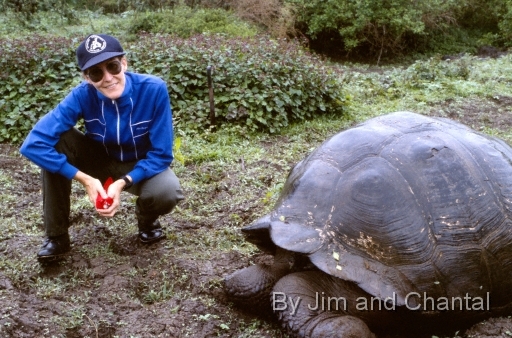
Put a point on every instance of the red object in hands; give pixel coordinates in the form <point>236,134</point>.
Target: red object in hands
<point>102,203</point>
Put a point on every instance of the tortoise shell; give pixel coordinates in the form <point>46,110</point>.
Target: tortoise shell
<point>402,203</point>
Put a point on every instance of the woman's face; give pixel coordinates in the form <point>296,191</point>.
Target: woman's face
<point>108,77</point>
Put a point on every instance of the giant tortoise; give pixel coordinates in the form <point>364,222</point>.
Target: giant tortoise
<point>402,219</point>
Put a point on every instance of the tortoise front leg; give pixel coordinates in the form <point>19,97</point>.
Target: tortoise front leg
<point>250,287</point>
<point>314,304</point>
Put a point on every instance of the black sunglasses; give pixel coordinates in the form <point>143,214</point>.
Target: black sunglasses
<point>96,73</point>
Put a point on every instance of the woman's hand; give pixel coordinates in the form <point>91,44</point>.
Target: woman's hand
<point>94,187</point>
<point>114,192</point>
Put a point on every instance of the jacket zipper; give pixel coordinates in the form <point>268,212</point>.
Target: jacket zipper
<point>118,127</point>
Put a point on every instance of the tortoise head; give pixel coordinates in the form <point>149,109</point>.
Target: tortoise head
<point>258,233</point>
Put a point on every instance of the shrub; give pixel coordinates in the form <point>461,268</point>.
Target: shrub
<point>119,6</point>
<point>379,27</point>
<point>26,10</point>
<point>273,15</point>
<point>503,11</point>
<point>185,21</point>
<point>258,83</point>
<point>376,23</point>
<point>35,73</point>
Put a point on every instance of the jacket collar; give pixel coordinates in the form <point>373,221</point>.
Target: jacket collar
<point>125,97</point>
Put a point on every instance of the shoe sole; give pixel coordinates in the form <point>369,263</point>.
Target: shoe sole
<point>53,258</point>
<point>154,240</point>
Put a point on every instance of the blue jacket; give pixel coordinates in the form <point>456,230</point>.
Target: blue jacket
<point>135,127</point>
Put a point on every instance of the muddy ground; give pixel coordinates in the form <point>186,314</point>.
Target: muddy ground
<point>112,286</point>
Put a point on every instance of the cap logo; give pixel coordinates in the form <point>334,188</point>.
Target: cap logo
<point>95,44</point>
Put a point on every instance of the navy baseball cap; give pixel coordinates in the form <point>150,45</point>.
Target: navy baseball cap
<point>97,48</point>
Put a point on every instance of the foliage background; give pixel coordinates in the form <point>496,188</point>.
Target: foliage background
<point>260,83</point>
<point>265,74</point>
<point>387,29</point>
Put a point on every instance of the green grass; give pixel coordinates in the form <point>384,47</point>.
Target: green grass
<point>425,86</point>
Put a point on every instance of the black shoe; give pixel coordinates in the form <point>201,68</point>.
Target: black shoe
<point>151,234</point>
<point>54,247</point>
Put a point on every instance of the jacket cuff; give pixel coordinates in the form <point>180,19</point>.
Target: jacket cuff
<point>68,171</point>
<point>137,175</point>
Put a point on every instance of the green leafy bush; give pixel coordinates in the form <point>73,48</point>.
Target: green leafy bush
<point>119,6</point>
<point>258,83</point>
<point>35,73</point>
<point>26,11</point>
<point>184,22</point>
<point>387,28</point>
<point>378,24</point>
<point>502,10</point>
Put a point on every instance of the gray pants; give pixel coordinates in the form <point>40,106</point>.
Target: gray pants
<point>157,195</point>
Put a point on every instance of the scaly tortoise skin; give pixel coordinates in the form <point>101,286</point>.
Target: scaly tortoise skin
<point>404,208</point>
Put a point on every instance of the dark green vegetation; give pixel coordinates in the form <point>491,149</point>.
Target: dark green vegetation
<point>112,287</point>
<point>382,29</point>
<point>259,83</point>
<point>370,29</point>
<point>263,80</point>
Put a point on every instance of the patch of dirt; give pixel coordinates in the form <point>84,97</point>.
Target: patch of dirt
<point>111,297</point>
<point>478,114</point>
<point>493,327</point>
